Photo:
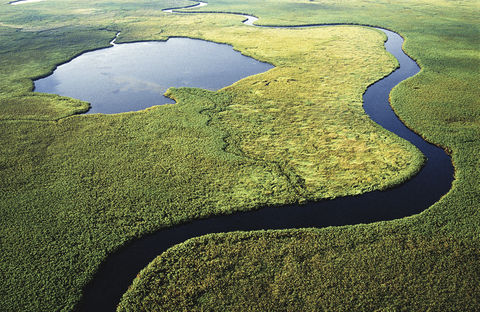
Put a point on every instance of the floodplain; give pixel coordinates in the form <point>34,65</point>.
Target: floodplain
<point>74,188</point>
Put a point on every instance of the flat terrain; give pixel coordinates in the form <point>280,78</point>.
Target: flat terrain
<point>73,189</point>
<point>426,262</point>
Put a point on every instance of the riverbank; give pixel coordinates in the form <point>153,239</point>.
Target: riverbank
<point>78,230</point>
<point>116,177</point>
<point>420,263</point>
<point>351,210</point>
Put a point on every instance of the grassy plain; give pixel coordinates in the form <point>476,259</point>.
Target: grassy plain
<point>75,188</point>
<point>428,262</point>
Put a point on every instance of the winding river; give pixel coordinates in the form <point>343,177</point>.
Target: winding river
<point>434,180</point>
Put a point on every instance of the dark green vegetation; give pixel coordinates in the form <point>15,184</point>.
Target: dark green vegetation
<point>360,268</point>
<point>74,189</point>
<point>426,262</point>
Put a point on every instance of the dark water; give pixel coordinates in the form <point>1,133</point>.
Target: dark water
<point>436,177</point>
<point>119,269</point>
<point>134,76</point>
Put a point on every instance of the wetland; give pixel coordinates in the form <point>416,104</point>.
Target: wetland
<point>76,188</point>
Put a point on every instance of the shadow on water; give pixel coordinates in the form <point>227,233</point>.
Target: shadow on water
<point>434,180</point>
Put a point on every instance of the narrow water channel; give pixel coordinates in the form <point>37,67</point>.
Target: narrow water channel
<point>434,180</point>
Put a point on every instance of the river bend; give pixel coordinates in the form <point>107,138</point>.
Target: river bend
<point>433,181</point>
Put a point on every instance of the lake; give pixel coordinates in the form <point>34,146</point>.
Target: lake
<point>134,76</point>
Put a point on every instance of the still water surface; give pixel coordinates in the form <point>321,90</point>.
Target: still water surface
<point>134,76</point>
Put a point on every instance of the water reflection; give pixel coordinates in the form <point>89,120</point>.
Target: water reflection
<point>134,76</point>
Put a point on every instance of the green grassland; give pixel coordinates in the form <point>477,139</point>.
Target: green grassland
<point>75,188</point>
<point>427,262</point>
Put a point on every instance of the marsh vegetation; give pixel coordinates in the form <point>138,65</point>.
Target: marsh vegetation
<point>75,188</point>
